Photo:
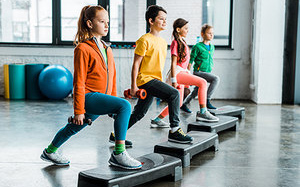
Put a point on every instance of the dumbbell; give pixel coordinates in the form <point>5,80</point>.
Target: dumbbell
<point>85,120</point>
<point>141,93</point>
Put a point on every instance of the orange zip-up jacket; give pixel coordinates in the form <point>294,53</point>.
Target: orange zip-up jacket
<point>91,74</point>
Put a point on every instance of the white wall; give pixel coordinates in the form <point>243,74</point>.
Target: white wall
<point>268,43</point>
<point>233,66</point>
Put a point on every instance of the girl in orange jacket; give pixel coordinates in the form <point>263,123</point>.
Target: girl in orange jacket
<point>94,89</point>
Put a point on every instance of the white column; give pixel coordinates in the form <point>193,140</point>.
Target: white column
<point>267,54</point>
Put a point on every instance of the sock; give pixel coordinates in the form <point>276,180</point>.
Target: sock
<point>203,110</point>
<point>119,148</point>
<point>157,119</point>
<point>174,129</point>
<point>51,149</point>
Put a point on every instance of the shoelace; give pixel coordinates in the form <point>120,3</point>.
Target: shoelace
<point>181,132</point>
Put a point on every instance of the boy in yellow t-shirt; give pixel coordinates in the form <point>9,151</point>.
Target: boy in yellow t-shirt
<point>149,60</point>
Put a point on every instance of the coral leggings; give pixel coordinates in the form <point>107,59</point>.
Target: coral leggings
<point>187,79</point>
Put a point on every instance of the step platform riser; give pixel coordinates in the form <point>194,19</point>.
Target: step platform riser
<point>229,110</point>
<point>155,166</point>
<point>202,141</point>
<point>224,123</point>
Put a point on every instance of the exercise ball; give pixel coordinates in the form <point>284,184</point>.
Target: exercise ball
<point>56,82</point>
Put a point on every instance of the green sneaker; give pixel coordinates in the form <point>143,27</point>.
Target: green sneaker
<point>179,137</point>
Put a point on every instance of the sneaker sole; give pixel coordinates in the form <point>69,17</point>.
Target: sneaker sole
<point>206,120</point>
<point>48,160</point>
<point>124,167</point>
<point>158,126</point>
<point>177,141</point>
<point>127,146</point>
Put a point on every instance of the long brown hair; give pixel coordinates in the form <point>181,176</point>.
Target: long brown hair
<point>83,31</point>
<point>179,23</point>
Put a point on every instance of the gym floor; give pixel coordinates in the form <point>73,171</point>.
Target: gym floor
<point>265,151</point>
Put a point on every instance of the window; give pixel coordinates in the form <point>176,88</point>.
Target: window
<point>127,20</point>
<point>26,21</point>
<point>69,17</point>
<point>54,22</point>
<point>199,12</point>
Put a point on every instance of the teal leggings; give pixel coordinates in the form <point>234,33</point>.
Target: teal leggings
<point>99,104</point>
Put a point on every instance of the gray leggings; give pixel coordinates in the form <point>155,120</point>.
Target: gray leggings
<point>213,81</point>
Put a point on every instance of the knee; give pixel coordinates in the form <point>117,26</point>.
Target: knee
<point>72,129</point>
<point>174,94</point>
<point>202,83</point>
<point>217,79</point>
<point>125,105</point>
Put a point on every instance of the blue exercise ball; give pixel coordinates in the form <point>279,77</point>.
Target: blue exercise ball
<point>56,82</point>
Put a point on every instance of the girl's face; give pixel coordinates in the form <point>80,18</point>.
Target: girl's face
<point>208,35</point>
<point>99,25</point>
<point>183,31</point>
<point>160,22</point>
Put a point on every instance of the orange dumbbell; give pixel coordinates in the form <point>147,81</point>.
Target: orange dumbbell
<point>141,93</point>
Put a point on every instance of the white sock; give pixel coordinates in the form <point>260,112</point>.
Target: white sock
<point>174,129</point>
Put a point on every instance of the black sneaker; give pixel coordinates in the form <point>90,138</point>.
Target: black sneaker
<point>179,137</point>
<point>209,105</point>
<point>185,108</point>
<point>112,140</point>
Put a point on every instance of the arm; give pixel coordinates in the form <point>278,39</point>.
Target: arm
<point>80,72</point>
<point>173,71</point>
<point>114,89</point>
<point>189,66</point>
<point>134,73</point>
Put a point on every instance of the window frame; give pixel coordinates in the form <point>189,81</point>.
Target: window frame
<point>56,29</point>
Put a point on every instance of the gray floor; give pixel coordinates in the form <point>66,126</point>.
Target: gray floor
<point>265,151</point>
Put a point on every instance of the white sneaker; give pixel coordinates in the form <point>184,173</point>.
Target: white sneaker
<point>124,160</point>
<point>159,124</point>
<point>206,117</point>
<point>55,158</point>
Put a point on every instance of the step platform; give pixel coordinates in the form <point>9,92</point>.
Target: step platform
<point>154,166</point>
<point>229,110</point>
<point>201,142</point>
<point>224,123</point>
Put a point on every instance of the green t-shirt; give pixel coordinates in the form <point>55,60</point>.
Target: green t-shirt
<point>103,51</point>
<point>202,57</point>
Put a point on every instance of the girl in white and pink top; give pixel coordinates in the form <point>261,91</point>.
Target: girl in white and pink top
<point>179,75</point>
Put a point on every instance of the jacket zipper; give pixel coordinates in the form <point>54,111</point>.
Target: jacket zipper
<point>106,63</point>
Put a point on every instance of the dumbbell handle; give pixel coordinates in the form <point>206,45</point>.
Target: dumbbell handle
<point>85,120</point>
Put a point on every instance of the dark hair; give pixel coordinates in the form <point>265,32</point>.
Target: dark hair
<point>152,12</point>
<point>179,23</point>
<point>205,27</point>
<point>83,31</point>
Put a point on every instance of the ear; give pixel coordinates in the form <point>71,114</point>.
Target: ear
<point>178,30</point>
<point>89,24</point>
<point>151,21</point>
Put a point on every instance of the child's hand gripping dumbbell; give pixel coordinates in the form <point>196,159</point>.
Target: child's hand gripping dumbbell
<point>141,93</point>
<point>85,120</point>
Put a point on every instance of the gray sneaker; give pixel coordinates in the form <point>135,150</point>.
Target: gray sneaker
<point>55,158</point>
<point>159,124</point>
<point>124,160</point>
<point>206,117</point>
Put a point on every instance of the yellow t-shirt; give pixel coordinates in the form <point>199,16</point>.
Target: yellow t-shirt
<point>154,51</point>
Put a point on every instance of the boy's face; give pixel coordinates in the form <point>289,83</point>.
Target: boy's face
<point>160,22</point>
<point>208,35</point>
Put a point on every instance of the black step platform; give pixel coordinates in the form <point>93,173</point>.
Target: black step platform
<point>201,142</point>
<point>224,123</point>
<point>154,166</point>
<point>229,110</point>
